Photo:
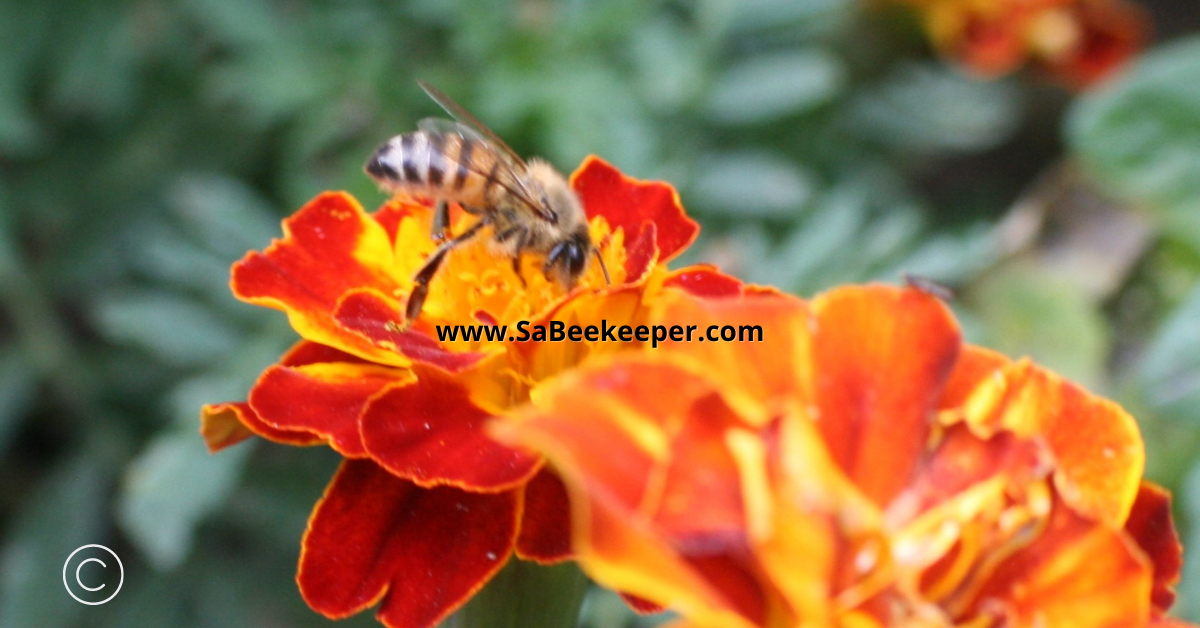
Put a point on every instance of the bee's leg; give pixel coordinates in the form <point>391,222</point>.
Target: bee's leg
<point>416,298</point>
<point>519,234</point>
<point>516,264</point>
<point>441,222</point>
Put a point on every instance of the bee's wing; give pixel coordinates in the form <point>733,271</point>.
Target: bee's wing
<point>442,125</point>
<point>479,129</point>
<point>469,126</point>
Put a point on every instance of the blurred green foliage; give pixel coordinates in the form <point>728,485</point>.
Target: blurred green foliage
<point>145,145</point>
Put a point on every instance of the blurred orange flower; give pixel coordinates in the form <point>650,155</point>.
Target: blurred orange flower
<point>860,467</point>
<point>427,507</point>
<point>1076,42</point>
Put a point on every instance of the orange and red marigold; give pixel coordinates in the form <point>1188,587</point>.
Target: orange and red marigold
<point>863,467</point>
<point>1076,42</point>
<point>426,507</point>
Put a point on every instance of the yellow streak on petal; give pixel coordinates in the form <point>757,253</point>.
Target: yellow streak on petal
<point>621,551</point>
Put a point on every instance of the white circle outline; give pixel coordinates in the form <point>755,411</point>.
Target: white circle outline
<point>120,566</point>
<point>80,582</point>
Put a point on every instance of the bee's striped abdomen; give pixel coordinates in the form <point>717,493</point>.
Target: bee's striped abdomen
<point>439,165</point>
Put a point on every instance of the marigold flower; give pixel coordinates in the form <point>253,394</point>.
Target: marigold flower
<point>1076,42</point>
<point>860,467</point>
<point>427,507</point>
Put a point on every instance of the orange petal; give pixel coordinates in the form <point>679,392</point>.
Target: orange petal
<point>1096,445</point>
<point>325,398</point>
<point>226,424</point>
<point>1077,573</point>
<point>760,377</point>
<point>329,247</point>
<point>974,365</point>
<point>961,460</point>
<point>655,493</point>
<point>882,357</point>
<point>221,426</point>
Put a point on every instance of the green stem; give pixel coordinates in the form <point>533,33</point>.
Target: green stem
<point>526,595</point>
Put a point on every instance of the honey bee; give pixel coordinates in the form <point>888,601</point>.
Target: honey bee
<point>529,207</point>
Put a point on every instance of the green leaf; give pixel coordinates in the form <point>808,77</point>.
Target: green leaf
<point>18,387</point>
<point>527,594</point>
<point>1026,311</point>
<point>65,512</point>
<point>224,213</point>
<point>669,63</point>
<point>99,73</point>
<point>752,15</point>
<point>604,608</point>
<point>25,26</point>
<point>1187,606</point>
<point>175,329</point>
<point>159,251</point>
<point>170,488</point>
<point>1169,372</point>
<point>1140,135</point>
<point>752,184</point>
<point>934,108</point>
<point>768,87</point>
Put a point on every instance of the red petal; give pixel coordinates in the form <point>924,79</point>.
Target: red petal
<point>431,433</point>
<point>305,352</point>
<point>1151,526</point>
<point>324,398</point>
<point>377,319</point>
<point>704,281</point>
<point>424,552</point>
<point>546,520</point>
<point>628,203</point>
<point>882,356</point>
<point>329,247</point>
<point>393,212</point>
<point>641,606</point>
<point>640,251</point>
<point>1111,31</point>
<point>990,46</point>
<point>226,424</point>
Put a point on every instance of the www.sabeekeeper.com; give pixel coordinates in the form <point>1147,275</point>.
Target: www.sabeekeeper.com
<point>558,331</point>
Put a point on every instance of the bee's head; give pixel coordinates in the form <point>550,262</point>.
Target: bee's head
<point>568,259</point>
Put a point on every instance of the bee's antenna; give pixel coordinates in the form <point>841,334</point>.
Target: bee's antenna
<point>603,268</point>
